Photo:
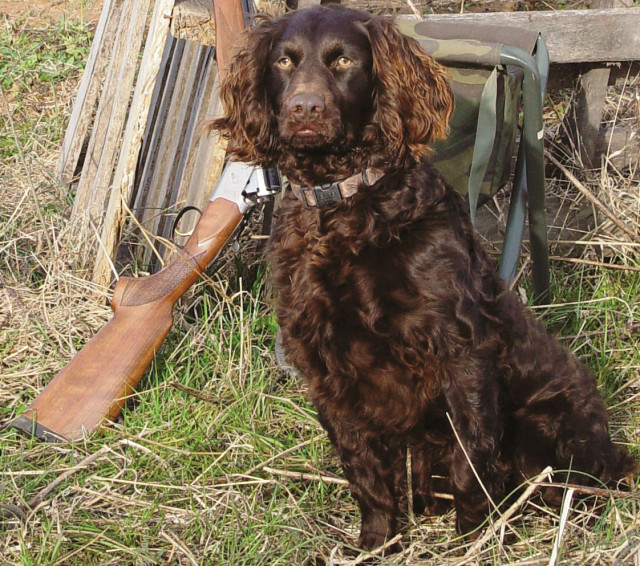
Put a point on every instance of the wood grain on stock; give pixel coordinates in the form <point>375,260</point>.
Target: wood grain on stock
<point>95,384</point>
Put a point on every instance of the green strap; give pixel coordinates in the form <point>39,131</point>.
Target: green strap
<point>485,138</point>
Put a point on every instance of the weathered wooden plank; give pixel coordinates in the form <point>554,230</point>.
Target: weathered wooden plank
<point>193,20</point>
<point>211,146</point>
<point>109,122</point>
<point>188,148</point>
<point>175,143</point>
<point>161,196</point>
<point>151,191</point>
<point>573,36</point>
<point>90,83</point>
<point>203,171</point>
<point>186,114</point>
<point>620,146</point>
<point>124,83</point>
<point>132,140</point>
<point>201,154</point>
<point>157,113</point>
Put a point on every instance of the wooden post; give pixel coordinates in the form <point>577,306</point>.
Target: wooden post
<point>228,21</point>
<point>572,36</point>
<point>192,20</point>
<point>585,123</point>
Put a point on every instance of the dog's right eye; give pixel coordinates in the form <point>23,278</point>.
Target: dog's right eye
<point>285,63</point>
<point>343,62</point>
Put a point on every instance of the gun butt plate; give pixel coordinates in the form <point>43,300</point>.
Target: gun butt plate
<point>31,427</point>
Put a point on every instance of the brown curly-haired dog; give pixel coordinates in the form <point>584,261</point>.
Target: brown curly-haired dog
<point>387,303</point>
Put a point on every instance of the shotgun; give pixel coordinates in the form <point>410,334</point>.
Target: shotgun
<point>97,381</point>
<point>95,384</point>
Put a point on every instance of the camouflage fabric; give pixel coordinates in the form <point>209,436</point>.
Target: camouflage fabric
<point>476,158</point>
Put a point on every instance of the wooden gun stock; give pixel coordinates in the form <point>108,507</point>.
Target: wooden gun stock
<point>95,384</point>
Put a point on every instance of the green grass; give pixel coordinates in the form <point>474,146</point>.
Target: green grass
<point>32,63</point>
<point>199,470</point>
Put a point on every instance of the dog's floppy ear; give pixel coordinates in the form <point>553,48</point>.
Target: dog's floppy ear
<point>249,122</point>
<point>413,98</point>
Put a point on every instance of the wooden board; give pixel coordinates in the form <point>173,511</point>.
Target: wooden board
<point>620,146</point>
<point>90,84</point>
<point>573,36</point>
<point>182,157</point>
<point>209,149</point>
<point>124,176</point>
<point>193,120</point>
<point>160,204</point>
<point>108,125</point>
<point>150,198</point>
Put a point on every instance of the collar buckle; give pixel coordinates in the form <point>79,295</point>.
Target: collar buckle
<point>316,197</point>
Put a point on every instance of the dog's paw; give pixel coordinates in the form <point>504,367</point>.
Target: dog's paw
<point>469,529</point>
<point>377,527</point>
<point>374,541</point>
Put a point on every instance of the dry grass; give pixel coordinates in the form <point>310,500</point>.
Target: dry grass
<point>219,458</point>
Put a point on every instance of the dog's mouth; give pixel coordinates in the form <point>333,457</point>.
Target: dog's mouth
<point>314,135</point>
<point>312,132</point>
<point>309,138</point>
<point>307,134</point>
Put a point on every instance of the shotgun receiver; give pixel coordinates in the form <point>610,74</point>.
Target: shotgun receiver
<point>95,384</point>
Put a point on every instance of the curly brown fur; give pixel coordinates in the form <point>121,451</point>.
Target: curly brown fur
<point>387,303</point>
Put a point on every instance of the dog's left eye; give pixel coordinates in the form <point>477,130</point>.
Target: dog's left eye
<point>343,62</point>
<point>285,63</point>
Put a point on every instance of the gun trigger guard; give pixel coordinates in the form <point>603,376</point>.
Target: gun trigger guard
<point>174,227</point>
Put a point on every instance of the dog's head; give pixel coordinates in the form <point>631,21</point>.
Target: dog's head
<point>330,80</point>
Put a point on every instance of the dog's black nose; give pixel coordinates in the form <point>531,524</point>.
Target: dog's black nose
<point>305,104</point>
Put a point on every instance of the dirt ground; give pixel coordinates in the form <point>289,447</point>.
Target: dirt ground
<point>36,12</point>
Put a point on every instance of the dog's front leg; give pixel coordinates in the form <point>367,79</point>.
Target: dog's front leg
<point>477,476</point>
<point>367,464</point>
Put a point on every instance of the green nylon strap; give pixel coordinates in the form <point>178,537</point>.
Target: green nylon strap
<point>485,138</point>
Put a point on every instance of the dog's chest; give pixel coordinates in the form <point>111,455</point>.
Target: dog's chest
<point>353,318</point>
<point>343,271</point>
<point>338,290</point>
